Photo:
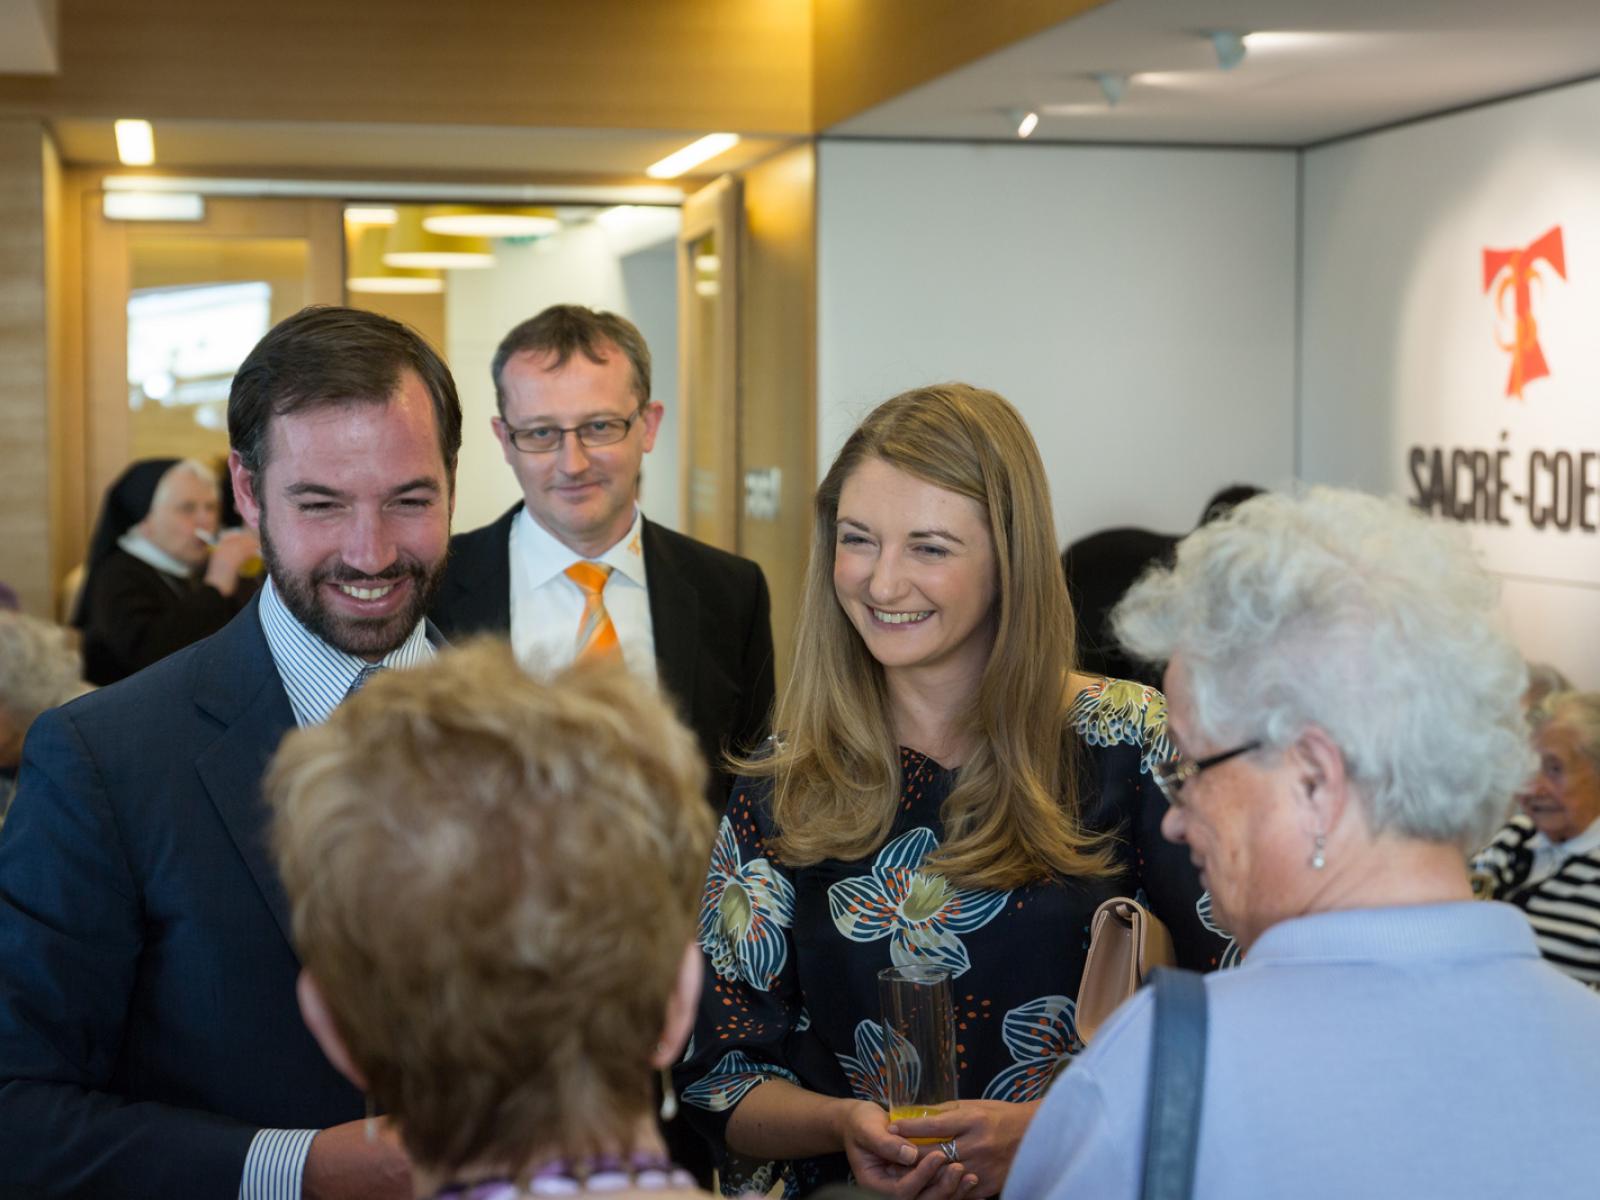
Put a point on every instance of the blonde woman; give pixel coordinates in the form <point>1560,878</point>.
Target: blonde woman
<point>493,883</point>
<point>944,790</point>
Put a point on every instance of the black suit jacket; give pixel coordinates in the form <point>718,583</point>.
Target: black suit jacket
<point>710,615</point>
<point>148,1024</point>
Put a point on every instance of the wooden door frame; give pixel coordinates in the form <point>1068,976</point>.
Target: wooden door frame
<point>715,210</point>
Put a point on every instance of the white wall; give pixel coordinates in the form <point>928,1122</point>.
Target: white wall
<point>1399,345</point>
<point>1138,306</point>
<point>581,265</point>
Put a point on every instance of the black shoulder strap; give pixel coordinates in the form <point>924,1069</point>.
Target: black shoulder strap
<point>1177,1080</point>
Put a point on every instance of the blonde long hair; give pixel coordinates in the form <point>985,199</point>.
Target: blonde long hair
<point>1013,814</point>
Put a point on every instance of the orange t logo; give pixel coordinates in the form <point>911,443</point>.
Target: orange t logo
<point>1516,270</point>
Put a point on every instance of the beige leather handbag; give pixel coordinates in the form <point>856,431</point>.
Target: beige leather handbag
<point>1125,941</point>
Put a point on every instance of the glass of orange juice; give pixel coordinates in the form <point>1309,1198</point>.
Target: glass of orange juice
<point>919,1042</point>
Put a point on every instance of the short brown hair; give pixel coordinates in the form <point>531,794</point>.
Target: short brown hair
<point>563,330</point>
<point>326,357</point>
<point>493,881</point>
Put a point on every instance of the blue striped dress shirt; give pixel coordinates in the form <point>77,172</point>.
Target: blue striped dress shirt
<point>317,678</point>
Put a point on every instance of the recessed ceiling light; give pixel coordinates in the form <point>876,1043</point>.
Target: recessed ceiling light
<point>136,143</point>
<point>692,155</point>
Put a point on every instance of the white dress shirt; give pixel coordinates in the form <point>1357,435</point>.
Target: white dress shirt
<point>547,607</point>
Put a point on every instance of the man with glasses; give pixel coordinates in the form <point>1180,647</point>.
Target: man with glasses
<point>576,570</point>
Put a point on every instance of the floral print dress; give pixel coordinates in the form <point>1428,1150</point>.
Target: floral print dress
<point>792,956</point>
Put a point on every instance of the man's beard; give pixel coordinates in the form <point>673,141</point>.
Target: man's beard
<point>364,637</point>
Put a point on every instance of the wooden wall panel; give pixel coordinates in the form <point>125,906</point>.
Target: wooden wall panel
<point>778,374</point>
<point>684,64</point>
<point>63,228</point>
<point>24,368</point>
<point>869,51</point>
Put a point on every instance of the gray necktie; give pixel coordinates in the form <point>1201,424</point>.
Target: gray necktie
<point>361,679</point>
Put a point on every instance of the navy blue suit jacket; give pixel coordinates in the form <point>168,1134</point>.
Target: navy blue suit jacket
<point>148,1024</point>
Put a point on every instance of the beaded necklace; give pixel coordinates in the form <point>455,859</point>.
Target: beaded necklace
<point>607,1173</point>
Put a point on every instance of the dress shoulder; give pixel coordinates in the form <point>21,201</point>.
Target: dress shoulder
<point>1119,712</point>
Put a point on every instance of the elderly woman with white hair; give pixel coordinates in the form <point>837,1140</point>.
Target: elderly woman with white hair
<point>1546,860</point>
<point>1346,710</point>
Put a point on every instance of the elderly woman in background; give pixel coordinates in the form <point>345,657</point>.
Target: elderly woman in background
<point>944,790</point>
<point>1546,860</point>
<point>1347,713</point>
<point>158,575</point>
<point>493,884</point>
<point>38,670</point>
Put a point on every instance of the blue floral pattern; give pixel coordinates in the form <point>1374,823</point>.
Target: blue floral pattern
<point>864,1069</point>
<point>727,1083</point>
<point>745,914</point>
<point>1115,712</point>
<point>918,911</point>
<point>1040,1035</point>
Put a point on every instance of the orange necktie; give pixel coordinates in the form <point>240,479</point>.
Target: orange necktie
<point>597,636</point>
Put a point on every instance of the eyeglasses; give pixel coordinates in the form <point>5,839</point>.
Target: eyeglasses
<point>542,439</point>
<point>1170,776</point>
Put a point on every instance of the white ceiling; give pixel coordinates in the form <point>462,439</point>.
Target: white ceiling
<point>1378,61</point>
<point>335,146</point>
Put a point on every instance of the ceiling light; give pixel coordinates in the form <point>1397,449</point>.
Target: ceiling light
<point>358,215</point>
<point>1271,40</point>
<point>1026,120</point>
<point>136,143</point>
<point>1112,86</point>
<point>692,155</point>
<point>465,221</point>
<point>1071,110</point>
<point>153,206</point>
<point>1229,46</point>
<point>368,273</point>
<point>408,244</point>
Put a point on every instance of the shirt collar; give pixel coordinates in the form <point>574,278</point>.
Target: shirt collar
<point>546,556</point>
<point>316,675</point>
<point>1559,852</point>
<point>146,551</point>
<point>1410,933</point>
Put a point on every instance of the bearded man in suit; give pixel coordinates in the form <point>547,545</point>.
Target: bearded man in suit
<point>150,1041</point>
<point>576,568</point>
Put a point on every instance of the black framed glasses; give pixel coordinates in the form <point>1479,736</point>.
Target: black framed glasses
<point>542,439</point>
<point>1170,776</point>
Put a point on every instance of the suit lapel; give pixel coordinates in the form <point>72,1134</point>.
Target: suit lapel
<point>674,619</point>
<point>480,577</point>
<point>237,684</point>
